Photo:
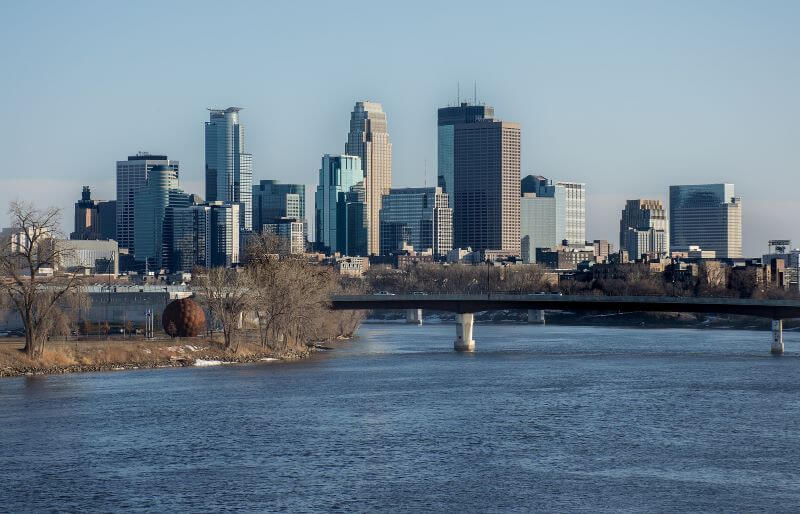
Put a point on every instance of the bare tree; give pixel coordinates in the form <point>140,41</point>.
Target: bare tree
<point>30,248</point>
<point>227,294</point>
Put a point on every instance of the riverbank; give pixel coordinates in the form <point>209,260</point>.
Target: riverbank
<point>84,356</point>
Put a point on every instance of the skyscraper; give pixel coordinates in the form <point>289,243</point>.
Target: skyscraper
<point>419,216</point>
<point>551,213</point>
<point>575,212</point>
<point>131,178</point>
<point>229,169</point>
<point>161,190</point>
<point>368,139</point>
<point>486,185</point>
<point>351,221</point>
<point>643,229</point>
<point>448,117</point>
<point>338,174</point>
<point>273,200</point>
<point>706,215</point>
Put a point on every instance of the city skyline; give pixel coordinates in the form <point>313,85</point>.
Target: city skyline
<point>656,114</point>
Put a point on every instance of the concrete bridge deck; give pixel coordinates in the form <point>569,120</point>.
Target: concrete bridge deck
<point>465,305</point>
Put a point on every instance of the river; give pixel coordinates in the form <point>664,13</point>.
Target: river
<point>547,418</point>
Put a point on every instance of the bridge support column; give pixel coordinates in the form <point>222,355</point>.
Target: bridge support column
<point>536,316</point>
<point>777,337</point>
<point>414,316</point>
<point>464,341</point>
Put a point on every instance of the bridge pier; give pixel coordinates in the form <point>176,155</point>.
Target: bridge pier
<point>464,341</point>
<point>536,316</point>
<point>414,316</point>
<point>777,337</point>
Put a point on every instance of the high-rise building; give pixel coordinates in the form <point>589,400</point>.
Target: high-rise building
<point>273,200</point>
<point>575,212</point>
<point>351,221</point>
<point>131,179</point>
<point>486,185</point>
<point>708,216</point>
<point>643,229</point>
<point>337,175</point>
<point>416,216</point>
<point>229,169</point>
<point>191,242</point>
<point>369,139</point>
<point>94,219</point>
<point>150,207</point>
<point>448,117</point>
<point>224,231</point>
<point>291,231</point>
<point>551,213</point>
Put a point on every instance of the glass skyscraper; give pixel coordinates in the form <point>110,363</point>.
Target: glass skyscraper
<point>229,169</point>
<point>419,216</point>
<point>131,179</point>
<point>369,139</point>
<point>446,119</point>
<point>708,216</point>
<point>338,174</point>
<point>161,189</point>
<point>551,213</point>
<point>273,200</point>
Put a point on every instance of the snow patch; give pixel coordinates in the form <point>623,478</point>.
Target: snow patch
<point>204,363</point>
<point>268,359</point>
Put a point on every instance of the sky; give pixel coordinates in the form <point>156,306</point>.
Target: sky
<point>628,97</point>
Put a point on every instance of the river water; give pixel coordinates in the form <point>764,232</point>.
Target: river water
<point>540,418</point>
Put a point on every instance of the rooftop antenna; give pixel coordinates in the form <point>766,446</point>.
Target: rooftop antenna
<point>458,94</point>
<point>426,172</point>
<point>475,92</point>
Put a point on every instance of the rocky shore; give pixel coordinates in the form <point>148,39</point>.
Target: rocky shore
<point>87,356</point>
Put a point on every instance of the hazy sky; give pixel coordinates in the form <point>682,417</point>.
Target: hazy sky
<point>628,97</point>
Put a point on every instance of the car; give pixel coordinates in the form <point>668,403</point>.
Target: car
<point>384,293</point>
<point>420,292</point>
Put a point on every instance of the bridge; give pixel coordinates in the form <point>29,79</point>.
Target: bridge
<point>466,305</point>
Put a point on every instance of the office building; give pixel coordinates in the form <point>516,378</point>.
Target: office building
<point>190,245</point>
<point>94,219</point>
<point>337,175</point>
<point>131,179</point>
<point>708,216</point>
<point>273,200</point>
<point>575,212</point>
<point>417,216</point>
<point>643,229</point>
<point>224,232</point>
<point>447,118</point>
<point>351,221</point>
<point>486,185</point>
<point>229,169</point>
<point>150,216</point>
<point>290,231</point>
<point>369,139</point>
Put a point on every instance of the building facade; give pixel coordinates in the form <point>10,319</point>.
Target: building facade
<point>190,245</point>
<point>351,222</point>
<point>290,231</point>
<point>369,139</point>
<point>708,216</point>
<point>447,118</point>
<point>574,212</point>
<point>229,169</point>
<point>131,179</point>
<point>337,175</point>
<point>150,207</point>
<point>94,219</point>
<point>224,231</point>
<point>486,185</point>
<point>643,229</point>
<point>416,216</point>
<point>273,200</point>
<point>94,256</point>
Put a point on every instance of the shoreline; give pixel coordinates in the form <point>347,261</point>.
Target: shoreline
<point>103,356</point>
